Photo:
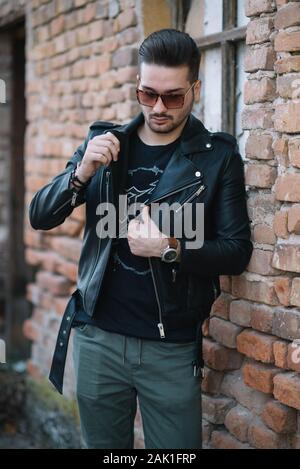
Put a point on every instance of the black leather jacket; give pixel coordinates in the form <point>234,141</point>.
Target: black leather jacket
<point>205,168</point>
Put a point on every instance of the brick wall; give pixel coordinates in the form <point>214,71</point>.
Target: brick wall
<point>81,61</point>
<point>81,66</point>
<point>252,385</point>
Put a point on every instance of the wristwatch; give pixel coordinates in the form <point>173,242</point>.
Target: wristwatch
<point>170,253</point>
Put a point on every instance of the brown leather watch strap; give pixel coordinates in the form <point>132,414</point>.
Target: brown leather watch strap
<point>173,243</point>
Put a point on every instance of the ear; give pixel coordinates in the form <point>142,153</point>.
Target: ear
<point>197,90</point>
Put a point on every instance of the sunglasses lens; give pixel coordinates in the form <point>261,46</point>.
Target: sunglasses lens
<point>149,99</point>
<point>173,101</point>
<point>146,99</point>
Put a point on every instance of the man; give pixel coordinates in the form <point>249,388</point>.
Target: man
<point>142,299</point>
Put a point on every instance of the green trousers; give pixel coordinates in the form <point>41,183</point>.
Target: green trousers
<point>113,370</point>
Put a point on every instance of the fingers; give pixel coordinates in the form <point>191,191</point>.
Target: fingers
<point>108,144</point>
<point>144,215</point>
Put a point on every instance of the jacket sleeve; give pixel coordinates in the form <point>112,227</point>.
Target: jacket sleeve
<point>229,250</point>
<point>52,204</point>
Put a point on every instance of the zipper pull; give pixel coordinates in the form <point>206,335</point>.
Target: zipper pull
<point>161,330</point>
<point>174,274</point>
<point>74,197</point>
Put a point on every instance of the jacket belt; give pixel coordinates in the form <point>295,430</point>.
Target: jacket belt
<point>56,375</point>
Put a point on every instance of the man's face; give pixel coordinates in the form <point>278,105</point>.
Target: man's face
<point>166,80</point>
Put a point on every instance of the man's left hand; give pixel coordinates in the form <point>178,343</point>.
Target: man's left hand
<point>144,237</point>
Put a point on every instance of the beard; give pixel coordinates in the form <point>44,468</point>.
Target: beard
<point>170,125</point>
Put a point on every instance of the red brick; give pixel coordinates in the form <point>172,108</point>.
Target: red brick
<point>259,91</point>
<point>257,117</point>
<point>259,146</point>
<point>221,439</point>
<point>221,306</point>
<point>237,421</point>
<point>57,25</point>
<point>225,283</point>
<point>256,345</point>
<point>294,152</point>
<point>252,289</point>
<point>240,312</point>
<point>60,304</point>
<point>287,16</point>
<point>287,64</point>
<point>287,117</point>
<point>287,389</point>
<point>288,86</point>
<point>286,323</point>
<point>280,147</point>
<point>224,332</point>
<point>287,41</point>
<point>260,262</point>
<point>259,30</point>
<point>294,219</point>
<point>220,358</point>
<point>280,353</point>
<point>255,7</point>
<point>33,257</point>
<point>259,376</point>
<point>31,331</point>
<point>282,287</point>
<point>126,19</point>
<point>280,224</point>
<point>286,257</point>
<point>263,234</point>
<point>95,31</point>
<point>215,408</point>
<point>261,317</point>
<point>66,247</point>
<point>212,381</point>
<point>293,356</point>
<point>263,437</point>
<point>260,175</point>
<point>68,269</point>
<point>261,58</point>
<point>295,293</point>
<point>233,386</point>
<point>287,188</point>
<point>56,284</point>
<point>281,3</point>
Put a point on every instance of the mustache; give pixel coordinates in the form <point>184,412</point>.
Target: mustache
<point>160,115</point>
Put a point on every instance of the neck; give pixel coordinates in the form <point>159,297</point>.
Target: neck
<point>149,137</point>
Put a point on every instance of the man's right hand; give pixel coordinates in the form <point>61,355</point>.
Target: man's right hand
<point>100,150</point>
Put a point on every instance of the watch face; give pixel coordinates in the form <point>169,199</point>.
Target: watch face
<point>170,255</point>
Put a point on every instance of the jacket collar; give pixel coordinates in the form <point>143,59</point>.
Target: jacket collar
<point>194,138</point>
<point>180,171</point>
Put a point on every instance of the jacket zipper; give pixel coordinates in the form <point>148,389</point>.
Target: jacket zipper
<point>72,200</point>
<point>160,324</point>
<point>99,241</point>
<point>199,190</point>
<point>173,192</point>
<point>191,197</point>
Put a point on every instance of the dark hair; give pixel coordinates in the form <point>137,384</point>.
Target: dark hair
<point>171,48</point>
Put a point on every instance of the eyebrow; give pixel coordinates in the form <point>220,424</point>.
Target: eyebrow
<point>167,91</point>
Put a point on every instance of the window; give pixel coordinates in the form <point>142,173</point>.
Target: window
<point>219,29</point>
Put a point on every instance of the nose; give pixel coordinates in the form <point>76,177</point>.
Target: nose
<point>159,106</point>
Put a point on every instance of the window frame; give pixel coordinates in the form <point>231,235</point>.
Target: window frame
<point>228,40</point>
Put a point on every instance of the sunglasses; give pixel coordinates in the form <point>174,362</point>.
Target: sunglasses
<point>170,101</point>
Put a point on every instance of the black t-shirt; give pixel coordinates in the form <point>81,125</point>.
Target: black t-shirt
<point>127,303</point>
